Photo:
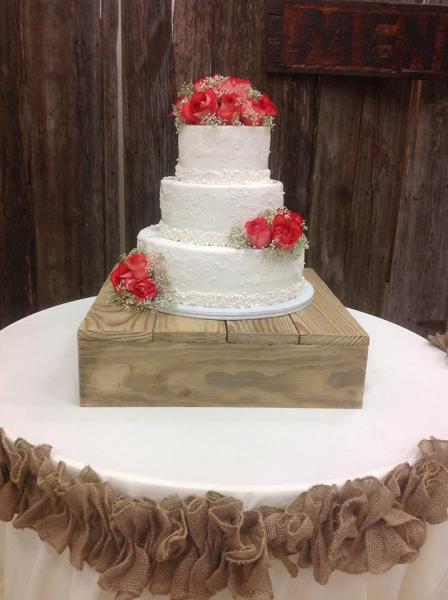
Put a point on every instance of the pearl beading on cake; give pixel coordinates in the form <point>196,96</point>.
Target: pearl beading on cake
<point>221,177</point>
<point>211,300</point>
<point>190,236</point>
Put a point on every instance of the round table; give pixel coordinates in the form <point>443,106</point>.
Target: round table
<point>260,455</point>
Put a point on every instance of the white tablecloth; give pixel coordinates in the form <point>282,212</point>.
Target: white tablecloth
<point>260,455</point>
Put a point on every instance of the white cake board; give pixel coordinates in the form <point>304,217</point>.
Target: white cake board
<point>261,311</point>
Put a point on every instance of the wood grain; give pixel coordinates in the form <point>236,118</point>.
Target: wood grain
<point>134,359</point>
<point>148,94</point>
<point>334,171</point>
<point>277,330</point>
<point>418,296</point>
<point>182,329</point>
<point>51,130</point>
<point>376,191</point>
<point>68,128</point>
<point>326,320</point>
<point>176,374</point>
<point>17,248</point>
<point>107,322</point>
<point>96,186</point>
<point>192,39</point>
<point>356,37</point>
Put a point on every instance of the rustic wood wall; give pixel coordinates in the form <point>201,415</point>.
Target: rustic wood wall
<point>365,160</point>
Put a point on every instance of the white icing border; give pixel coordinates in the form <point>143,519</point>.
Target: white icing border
<point>194,236</point>
<point>237,300</point>
<point>221,177</point>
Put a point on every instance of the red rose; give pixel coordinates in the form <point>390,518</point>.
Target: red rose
<point>241,87</point>
<point>228,110</point>
<point>143,290</point>
<point>251,114</point>
<point>137,262</point>
<point>266,105</point>
<point>259,232</point>
<point>121,276</point>
<point>298,219</point>
<point>285,230</point>
<point>200,105</point>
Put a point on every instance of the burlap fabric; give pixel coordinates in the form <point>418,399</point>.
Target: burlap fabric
<point>440,340</point>
<point>193,547</point>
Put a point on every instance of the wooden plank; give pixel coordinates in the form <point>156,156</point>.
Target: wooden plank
<point>192,39</point>
<point>64,128</point>
<point>181,374</point>
<point>148,93</point>
<point>238,47</point>
<point>418,295</point>
<point>107,322</point>
<point>293,138</point>
<point>356,37</point>
<point>109,114</point>
<point>17,291</point>
<point>276,330</point>
<point>182,329</point>
<point>326,320</point>
<point>96,186</point>
<point>376,190</point>
<point>51,129</point>
<point>334,171</point>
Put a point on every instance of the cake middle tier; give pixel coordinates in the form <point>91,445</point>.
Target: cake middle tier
<point>205,214</point>
<point>224,277</point>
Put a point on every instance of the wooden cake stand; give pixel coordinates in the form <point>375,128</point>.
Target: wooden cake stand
<point>312,358</point>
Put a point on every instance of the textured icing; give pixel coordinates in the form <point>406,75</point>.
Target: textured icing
<point>225,277</point>
<point>205,214</point>
<point>194,236</point>
<point>217,148</point>
<point>212,300</point>
<point>221,177</point>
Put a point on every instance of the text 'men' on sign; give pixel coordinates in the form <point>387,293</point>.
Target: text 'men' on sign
<point>357,38</point>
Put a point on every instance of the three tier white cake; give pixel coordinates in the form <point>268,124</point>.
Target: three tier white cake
<point>222,182</point>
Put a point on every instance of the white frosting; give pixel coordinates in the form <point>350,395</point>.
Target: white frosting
<point>205,214</point>
<point>225,277</point>
<point>221,177</point>
<point>216,148</point>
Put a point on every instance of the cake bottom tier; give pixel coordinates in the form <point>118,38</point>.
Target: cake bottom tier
<point>212,277</point>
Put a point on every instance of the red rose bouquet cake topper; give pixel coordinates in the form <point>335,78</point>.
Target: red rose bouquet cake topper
<point>220,100</point>
<point>280,231</point>
<point>139,282</point>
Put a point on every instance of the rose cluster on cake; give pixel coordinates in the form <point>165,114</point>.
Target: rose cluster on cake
<point>138,281</point>
<point>281,230</point>
<point>220,100</point>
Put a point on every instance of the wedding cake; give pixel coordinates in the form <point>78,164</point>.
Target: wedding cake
<point>228,246</point>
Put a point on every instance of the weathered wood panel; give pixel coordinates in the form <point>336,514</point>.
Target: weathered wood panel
<point>376,190</point>
<point>17,296</point>
<point>192,39</point>
<point>356,37</point>
<point>148,93</point>
<point>63,129</point>
<point>334,172</point>
<point>356,184</point>
<point>418,297</point>
<point>51,130</point>
<point>59,101</point>
<point>96,134</point>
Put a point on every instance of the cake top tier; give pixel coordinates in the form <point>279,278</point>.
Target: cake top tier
<point>210,148</point>
<point>222,100</point>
